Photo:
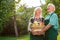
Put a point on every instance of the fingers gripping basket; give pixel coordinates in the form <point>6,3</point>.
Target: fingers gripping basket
<point>36,27</point>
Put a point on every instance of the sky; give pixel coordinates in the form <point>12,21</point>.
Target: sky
<point>30,3</point>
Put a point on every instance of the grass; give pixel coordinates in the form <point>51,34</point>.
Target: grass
<point>8,38</point>
<point>25,37</point>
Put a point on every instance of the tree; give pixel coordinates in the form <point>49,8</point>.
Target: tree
<point>7,8</point>
<point>15,24</point>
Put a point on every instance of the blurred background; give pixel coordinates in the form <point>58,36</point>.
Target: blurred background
<point>15,15</point>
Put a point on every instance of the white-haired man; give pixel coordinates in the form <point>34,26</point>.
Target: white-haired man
<point>51,23</point>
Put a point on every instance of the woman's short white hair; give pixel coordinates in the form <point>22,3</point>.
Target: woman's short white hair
<point>52,6</point>
<point>36,10</point>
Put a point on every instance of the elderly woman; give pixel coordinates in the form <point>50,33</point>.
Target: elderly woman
<point>36,24</point>
<point>51,23</point>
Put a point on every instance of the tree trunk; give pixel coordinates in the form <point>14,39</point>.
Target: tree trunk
<point>15,26</point>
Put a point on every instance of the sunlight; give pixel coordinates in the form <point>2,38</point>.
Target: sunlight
<point>16,0</point>
<point>30,3</point>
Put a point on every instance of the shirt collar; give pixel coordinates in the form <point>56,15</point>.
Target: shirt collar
<point>50,13</point>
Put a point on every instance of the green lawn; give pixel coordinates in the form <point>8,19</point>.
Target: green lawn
<point>25,37</point>
<point>8,38</point>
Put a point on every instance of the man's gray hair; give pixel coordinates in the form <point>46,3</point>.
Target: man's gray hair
<point>52,6</point>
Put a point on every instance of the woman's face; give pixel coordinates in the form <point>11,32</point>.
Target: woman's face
<point>38,12</point>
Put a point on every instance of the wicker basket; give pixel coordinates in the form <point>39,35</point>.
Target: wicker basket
<point>36,27</point>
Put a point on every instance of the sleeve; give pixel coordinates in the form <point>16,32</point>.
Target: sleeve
<point>53,20</point>
<point>29,26</point>
<point>42,19</point>
<point>30,21</point>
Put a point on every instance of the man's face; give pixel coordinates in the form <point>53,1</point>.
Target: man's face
<point>50,8</point>
<point>38,12</point>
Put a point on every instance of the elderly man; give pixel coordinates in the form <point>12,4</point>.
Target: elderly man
<point>51,23</point>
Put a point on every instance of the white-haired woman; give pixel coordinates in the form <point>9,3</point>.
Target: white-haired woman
<point>51,23</point>
<point>36,23</point>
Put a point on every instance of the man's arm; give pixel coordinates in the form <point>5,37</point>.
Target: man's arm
<point>53,20</point>
<point>46,27</point>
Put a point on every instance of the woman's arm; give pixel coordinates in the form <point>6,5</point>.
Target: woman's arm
<point>29,29</point>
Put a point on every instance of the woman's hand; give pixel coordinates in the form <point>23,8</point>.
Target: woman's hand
<point>33,32</point>
<point>37,32</point>
<point>42,32</point>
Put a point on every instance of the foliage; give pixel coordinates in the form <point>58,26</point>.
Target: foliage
<point>6,10</point>
<point>8,28</point>
<point>23,19</point>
